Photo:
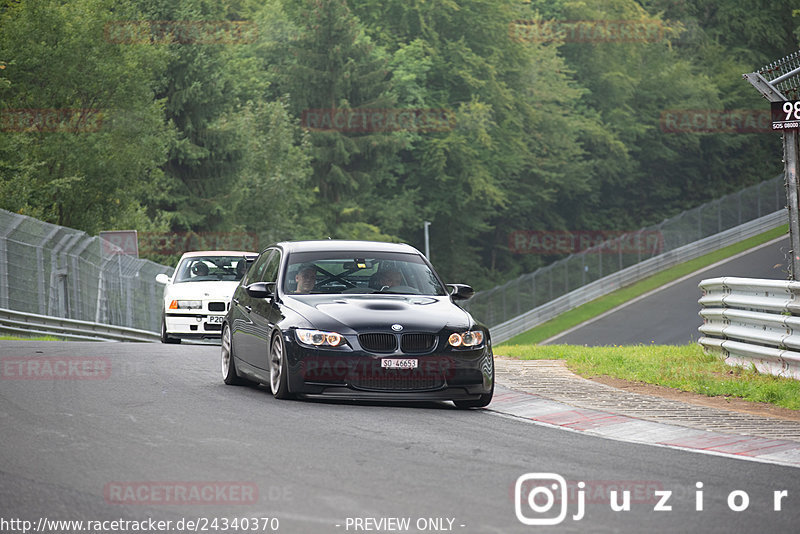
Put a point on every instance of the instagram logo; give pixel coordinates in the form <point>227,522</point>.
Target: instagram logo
<point>541,498</point>
<point>539,492</point>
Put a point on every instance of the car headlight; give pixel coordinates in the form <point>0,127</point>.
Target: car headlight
<point>318,338</point>
<point>471,338</point>
<point>185,304</point>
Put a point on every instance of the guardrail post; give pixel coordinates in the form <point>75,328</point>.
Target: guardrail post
<point>57,304</point>
<point>583,268</point>
<point>42,291</point>
<point>699,225</point>
<point>783,80</point>
<point>489,308</point>
<point>129,293</point>
<point>72,302</point>
<point>76,289</point>
<point>790,162</point>
<point>101,309</point>
<point>5,296</point>
<point>600,265</point>
<point>739,208</point>
<point>505,312</point>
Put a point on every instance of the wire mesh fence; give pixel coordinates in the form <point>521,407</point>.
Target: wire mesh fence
<point>53,270</point>
<point>783,75</point>
<point>518,296</point>
<point>62,272</point>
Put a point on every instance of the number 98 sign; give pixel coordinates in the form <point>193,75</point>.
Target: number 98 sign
<point>786,115</point>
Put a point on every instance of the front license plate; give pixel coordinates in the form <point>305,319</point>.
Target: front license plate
<point>399,363</point>
<point>216,319</point>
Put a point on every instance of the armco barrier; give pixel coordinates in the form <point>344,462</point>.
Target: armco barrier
<point>753,322</point>
<point>30,324</point>
<point>56,271</point>
<point>528,291</point>
<point>598,288</point>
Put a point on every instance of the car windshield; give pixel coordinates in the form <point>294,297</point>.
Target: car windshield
<point>211,269</point>
<point>359,272</point>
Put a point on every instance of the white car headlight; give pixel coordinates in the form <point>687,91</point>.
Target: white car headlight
<point>319,338</point>
<point>186,305</point>
<point>471,338</point>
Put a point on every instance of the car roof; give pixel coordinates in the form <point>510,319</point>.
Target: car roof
<point>325,245</point>
<point>196,253</point>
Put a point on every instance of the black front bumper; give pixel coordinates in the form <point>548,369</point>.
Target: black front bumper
<point>357,374</point>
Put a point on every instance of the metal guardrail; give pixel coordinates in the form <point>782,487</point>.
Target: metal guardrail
<point>57,271</point>
<point>752,322</point>
<point>516,297</point>
<point>598,288</point>
<point>27,324</point>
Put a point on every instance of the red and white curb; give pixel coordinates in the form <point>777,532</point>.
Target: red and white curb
<point>625,428</point>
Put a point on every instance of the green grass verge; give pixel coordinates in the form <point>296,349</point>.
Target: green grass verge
<point>684,367</point>
<point>594,308</point>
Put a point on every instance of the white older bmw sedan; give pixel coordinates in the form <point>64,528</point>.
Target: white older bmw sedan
<point>198,295</point>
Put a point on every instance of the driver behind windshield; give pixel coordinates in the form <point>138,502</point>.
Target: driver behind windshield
<point>306,279</point>
<point>200,269</point>
<point>337,273</point>
<point>390,278</point>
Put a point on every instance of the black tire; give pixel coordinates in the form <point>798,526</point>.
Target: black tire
<point>229,375</point>
<point>481,402</point>
<point>278,379</point>
<point>164,336</point>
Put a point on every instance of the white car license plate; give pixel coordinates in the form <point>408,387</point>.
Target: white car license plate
<point>215,319</point>
<point>399,363</point>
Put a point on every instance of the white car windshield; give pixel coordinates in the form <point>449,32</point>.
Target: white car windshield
<point>211,269</point>
<point>359,272</point>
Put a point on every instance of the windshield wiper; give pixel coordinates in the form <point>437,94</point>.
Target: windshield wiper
<point>388,291</point>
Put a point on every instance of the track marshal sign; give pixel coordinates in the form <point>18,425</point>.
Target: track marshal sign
<point>786,115</point>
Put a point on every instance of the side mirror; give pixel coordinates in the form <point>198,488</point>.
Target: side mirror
<point>162,279</point>
<point>460,291</point>
<point>261,290</point>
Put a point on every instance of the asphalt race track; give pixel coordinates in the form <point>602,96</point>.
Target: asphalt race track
<point>149,431</point>
<point>669,316</point>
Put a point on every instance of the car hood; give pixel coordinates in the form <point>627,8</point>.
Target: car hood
<point>359,313</point>
<point>201,290</point>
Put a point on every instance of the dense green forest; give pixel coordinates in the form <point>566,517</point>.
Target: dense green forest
<point>289,119</point>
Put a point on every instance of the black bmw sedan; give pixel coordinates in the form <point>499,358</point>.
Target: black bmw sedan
<point>355,320</point>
